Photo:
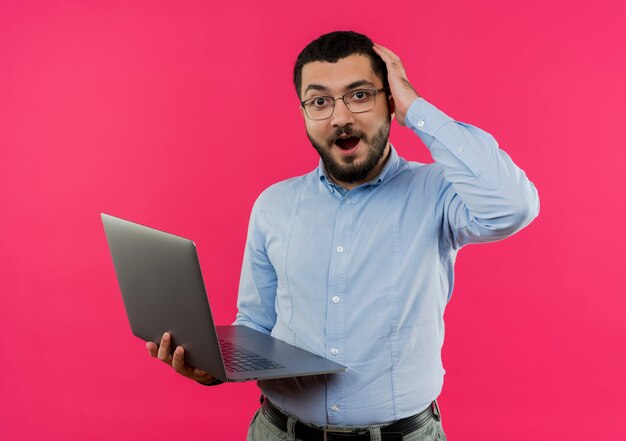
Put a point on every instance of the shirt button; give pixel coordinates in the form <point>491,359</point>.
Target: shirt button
<point>334,351</point>
<point>420,123</point>
<point>334,408</point>
<point>336,299</point>
<point>460,150</point>
<point>340,249</point>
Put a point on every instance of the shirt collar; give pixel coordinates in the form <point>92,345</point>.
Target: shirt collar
<point>387,172</point>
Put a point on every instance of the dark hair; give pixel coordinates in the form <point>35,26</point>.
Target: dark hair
<point>335,46</point>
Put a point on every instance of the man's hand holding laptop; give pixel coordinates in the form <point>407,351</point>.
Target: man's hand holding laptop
<point>177,361</point>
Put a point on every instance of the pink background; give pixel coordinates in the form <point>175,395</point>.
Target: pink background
<point>178,114</point>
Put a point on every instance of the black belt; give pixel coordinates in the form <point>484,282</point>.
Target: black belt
<point>393,432</point>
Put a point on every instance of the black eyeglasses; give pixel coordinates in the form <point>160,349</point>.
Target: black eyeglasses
<point>357,101</point>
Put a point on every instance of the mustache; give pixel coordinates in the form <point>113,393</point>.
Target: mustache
<point>347,131</point>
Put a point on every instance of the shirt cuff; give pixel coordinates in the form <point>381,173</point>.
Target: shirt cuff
<point>425,119</point>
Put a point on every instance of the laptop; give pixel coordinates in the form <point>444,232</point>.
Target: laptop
<point>163,290</point>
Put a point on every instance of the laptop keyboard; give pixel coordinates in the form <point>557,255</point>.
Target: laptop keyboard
<point>237,359</point>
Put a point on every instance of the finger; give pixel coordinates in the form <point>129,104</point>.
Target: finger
<point>164,348</point>
<point>152,348</point>
<point>380,49</point>
<point>397,74</point>
<point>382,52</point>
<point>388,56</point>
<point>178,361</point>
<point>200,375</point>
<point>392,61</point>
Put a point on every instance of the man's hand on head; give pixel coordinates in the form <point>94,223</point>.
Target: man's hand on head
<point>400,88</point>
<point>177,361</point>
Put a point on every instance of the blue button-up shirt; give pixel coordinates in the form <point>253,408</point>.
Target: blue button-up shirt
<point>362,277</point>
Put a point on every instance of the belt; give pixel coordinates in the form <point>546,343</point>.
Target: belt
<point>393,432</point>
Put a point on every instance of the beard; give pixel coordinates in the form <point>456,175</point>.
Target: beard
<point>348,169</point>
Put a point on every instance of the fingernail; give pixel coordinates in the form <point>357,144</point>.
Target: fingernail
<point>166,336</point>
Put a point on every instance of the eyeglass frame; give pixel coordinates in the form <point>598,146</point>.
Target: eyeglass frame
<point>342,98</point>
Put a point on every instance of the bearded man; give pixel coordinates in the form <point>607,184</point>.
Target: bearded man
<point>355,260</point>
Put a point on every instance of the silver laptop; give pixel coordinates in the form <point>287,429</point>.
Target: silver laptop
<point>163,290</point>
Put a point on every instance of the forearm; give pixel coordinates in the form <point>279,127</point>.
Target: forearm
<point>497,195</point>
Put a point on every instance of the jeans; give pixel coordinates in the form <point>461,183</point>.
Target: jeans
<point>262,429</point>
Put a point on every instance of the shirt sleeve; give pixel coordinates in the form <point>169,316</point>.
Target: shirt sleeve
<point>487,197</point>
<point>258,282</point>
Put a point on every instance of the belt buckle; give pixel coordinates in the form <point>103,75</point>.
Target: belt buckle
<point>338,430</point>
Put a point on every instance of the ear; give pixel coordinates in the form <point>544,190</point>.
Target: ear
<point>392,107</point>
<point>302,113</point>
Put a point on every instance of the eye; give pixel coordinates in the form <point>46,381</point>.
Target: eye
<point>360,95</point>
<point>319,102</point>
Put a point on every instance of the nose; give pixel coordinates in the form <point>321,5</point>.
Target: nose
<point>342,115</point>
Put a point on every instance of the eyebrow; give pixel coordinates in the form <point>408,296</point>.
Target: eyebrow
<point>353,85</point>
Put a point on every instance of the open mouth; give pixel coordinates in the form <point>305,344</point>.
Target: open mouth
<point>347,143</point>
